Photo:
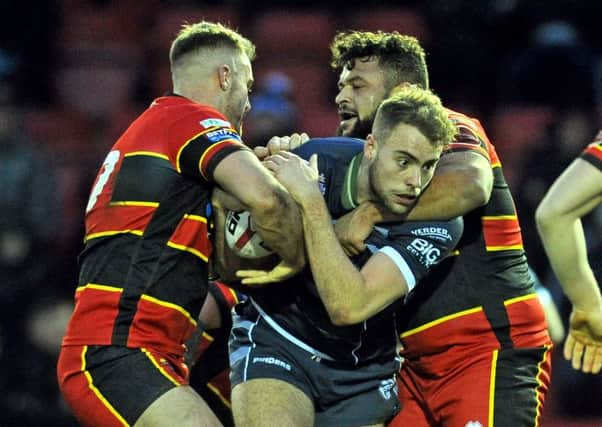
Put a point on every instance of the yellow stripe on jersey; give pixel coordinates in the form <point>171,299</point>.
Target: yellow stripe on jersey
<point>207,336</point>
<point>146,153</point>
<point>504,248</point>
<point>520,299</point>
<point>135,203</point>
<point>178,168</point>
<point>211,150</point>
<point>169,305</point>
<point>111,233</point>
<point>196,218</point>
<point>99,288</point>
<point>441,320</point>
<point>185,248</point>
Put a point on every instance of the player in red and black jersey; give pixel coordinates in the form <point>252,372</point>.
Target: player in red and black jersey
<point>474,334</point>
<point>144,273</point>
<point>575,193</point>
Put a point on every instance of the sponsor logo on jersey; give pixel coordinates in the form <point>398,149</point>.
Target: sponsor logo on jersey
<point>440,233</point>
<point>473,424</point>
<point>426,253</point>
<point>221,134</point>
<point>208,123</point>
<point>272,361</point>
<point>388,388</point>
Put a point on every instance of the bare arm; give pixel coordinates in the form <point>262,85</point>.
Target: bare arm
<point>275,215</point>
<point>575,193</point>
<point>462,182</point>
<point>225,263</point>
<point>351,295</point>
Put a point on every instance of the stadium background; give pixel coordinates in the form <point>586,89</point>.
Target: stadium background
<point>74,73</point>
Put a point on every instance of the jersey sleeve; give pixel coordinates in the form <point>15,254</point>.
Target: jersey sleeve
<point>593,152</point>
<point>339,148</point>
<point>417,246</point>
<point>471,136</point>
<point>201,140</point>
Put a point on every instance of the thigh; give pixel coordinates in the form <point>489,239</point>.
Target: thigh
<point>180,406</point>
<point>345,396</point>
<point>268,402</point>
<point>353,396</point>
<point>98,382</point>
<point>414,410</point>
<point>506,388</point>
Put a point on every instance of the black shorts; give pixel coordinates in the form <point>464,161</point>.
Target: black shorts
<point>342,395</point>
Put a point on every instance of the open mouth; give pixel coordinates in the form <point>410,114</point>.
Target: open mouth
<point>405,199</point>
<point>346,115</point>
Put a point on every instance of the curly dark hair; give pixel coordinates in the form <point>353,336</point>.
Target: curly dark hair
<point>401,56</point>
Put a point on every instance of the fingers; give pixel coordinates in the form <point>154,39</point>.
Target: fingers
<point>254,278</point>
<point>279,144</point>
<point>261,152</point>
<point>597,361</point>
<point>588,358</point>
<point>313,162</point>
<point>585,357</point>
<point>573,350</point>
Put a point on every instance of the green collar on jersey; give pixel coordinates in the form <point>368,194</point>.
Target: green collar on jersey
<point>349,191</point>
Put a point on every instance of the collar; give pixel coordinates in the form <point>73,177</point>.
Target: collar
<point>349,190</point>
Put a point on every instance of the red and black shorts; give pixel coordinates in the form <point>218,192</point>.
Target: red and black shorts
<point>112,386</point>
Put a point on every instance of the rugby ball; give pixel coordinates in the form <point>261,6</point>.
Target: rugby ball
<point>242,238</point>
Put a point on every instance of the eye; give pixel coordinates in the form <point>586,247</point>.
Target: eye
<point>428,167</point>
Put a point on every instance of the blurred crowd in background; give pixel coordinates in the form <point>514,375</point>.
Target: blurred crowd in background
<point>74,73</point>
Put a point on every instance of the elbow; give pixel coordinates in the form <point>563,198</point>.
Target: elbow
<point>345,316</point>
<point>478,187</point>
<point>267,205</point>
<point>544,217</point>
<point>478,195</point>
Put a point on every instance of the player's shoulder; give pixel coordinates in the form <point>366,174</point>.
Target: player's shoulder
<point>593,152</point>
<point>469,128</point>
<point>178,108</point>
<point>338,148</point>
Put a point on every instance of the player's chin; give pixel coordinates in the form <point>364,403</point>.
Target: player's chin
<point>397,208</point>
<point>346,127</point>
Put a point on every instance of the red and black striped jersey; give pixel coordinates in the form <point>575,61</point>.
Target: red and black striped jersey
<point>143,273</point>
<point>593,152</point>
<point>488,272</point>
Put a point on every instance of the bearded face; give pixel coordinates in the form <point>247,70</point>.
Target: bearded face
<point>361,90</point>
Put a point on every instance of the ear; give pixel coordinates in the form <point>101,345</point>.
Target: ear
<point>400,86</point>
<point>224,73</point>
<point>370,147</point>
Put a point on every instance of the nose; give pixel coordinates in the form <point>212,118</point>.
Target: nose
<point>342,96</point>
<point>414,179</point>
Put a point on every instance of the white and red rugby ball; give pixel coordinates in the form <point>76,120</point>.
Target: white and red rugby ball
<point>242,238</point>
